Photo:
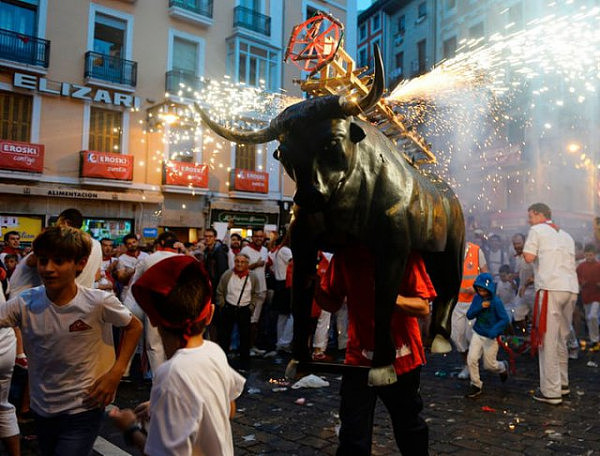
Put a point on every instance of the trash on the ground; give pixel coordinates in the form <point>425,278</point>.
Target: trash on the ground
<point>592,364</point>
<point>249,437</point>
<point>253,390</point>
<point>553,434</point>
<point>310,381</point>
<point>512,426</point>
<point>279,381</point>
<point>279,389</point>
<point>580,393</point>
<point>300,401</point>
<point>451,420</point>
<point>257,424</point>
<point>241,410</point>
<point>485,408</point>
<point>441,373</point>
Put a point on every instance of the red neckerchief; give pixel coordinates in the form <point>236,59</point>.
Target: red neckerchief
<point>108,258</point>
<point>258,248</point>
<point>538,325</point>
<point>550,223</point>
<point>236,250</point>
<point>241,275</point>
<point>134,255</point>
<point>11,250</point>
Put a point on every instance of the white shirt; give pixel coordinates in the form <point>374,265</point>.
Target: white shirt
<point>68,347</point>
<point>190,404</point>
<point>23,278</point>
<point>129,262</point>
<point>254,257</point>
<point>93,265</point>
<point>144,263</point>
<point>234,288</point>
<point>554,266</point>
<point>280,258</point>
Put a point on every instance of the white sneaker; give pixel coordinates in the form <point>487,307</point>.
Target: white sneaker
<point>464,373</point>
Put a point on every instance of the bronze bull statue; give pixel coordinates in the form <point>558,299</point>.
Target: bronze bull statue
<point>354,186</point>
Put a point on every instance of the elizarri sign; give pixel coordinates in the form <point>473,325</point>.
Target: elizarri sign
<point>79,92</point>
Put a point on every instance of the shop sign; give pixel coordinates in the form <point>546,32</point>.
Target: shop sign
<point>150,232</point>
<point>76,91</point>
<point>245,219</point>
<point>27,227</point>
<point>20,156</point>
<point>186,174</point>
<point>245,180</point>
<point>106,166</point>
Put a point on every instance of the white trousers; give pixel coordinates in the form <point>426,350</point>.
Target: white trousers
<point>489,349</point>
<point>553,353</point>
<point>285,330</point>
<point>8,416</point>
<point>322,330</point>
<point>591,318</point>
<point>462,327</point>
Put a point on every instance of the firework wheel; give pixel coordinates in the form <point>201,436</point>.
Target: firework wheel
<point>314,43</point>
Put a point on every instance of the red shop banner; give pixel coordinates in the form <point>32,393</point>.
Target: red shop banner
<point>20,156</point>
<point>106,166</point>
<point>245,180</point>
<point>186,174</point>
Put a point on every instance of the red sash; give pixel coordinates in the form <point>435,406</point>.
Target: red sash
<point>538,325</point>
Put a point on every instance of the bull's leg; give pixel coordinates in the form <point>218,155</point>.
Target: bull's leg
<point>387,283</point>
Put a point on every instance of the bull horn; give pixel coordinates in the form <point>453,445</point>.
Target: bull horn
<point>240,137</point>
<point>353,108</point>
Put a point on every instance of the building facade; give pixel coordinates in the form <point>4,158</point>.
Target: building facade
<point>93,114</point>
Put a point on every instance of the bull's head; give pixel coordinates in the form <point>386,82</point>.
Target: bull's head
<point>317,138</point>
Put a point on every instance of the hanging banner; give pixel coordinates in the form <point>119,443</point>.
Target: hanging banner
<point>245,180</point>
<point>20,156</point>
<point>186,174</point>
<point>106,166</point>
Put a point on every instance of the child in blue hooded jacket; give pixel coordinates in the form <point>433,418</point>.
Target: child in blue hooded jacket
<point>491,320</point>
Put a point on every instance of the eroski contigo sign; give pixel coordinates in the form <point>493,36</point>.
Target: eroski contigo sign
<point>66,89</point>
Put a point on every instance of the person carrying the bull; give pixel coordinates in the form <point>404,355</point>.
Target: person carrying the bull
<point>351,274</point>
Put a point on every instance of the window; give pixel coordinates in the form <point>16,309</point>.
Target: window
<point>185,55</point>
<point>105,130</point>
<point>400,60</point>
<point>254,5</point>
<point>422,10</point>
<point>515,16</point>
<point>476,31</point>
<point>15,116</point>
<point>376,23</point>
<point>253,64</point>
<point>310,12</point>
<point>362,32</point>
<point>245,156</point>
<point>182,144</point>
<point>402,25</point>
<point>450,47</point>
<point>109,36</point>
<point>422,56</point>
<point>19,16</point>
<point>362,57</point>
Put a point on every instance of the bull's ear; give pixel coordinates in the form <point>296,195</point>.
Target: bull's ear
<point>357,134</point>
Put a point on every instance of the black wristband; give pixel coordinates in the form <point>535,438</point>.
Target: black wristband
<point>128,433</point>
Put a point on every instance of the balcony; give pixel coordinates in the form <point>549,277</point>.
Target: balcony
<point>251,20</point>
<point>199,12</point>
<point>111,69</point>
<point>25,49</point>
<point>176,80</point>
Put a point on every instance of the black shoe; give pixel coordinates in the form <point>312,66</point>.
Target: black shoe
<point>474,391</point>
<point>504,375</point>
<point>538,396</point>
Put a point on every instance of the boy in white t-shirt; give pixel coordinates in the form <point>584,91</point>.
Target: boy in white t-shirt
<point>67,335</point>
<point>193,393</point>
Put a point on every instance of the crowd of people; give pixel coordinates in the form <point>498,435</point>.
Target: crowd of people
<point>75,310</point>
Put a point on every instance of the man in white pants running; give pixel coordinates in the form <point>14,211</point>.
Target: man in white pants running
<point>552,252</point>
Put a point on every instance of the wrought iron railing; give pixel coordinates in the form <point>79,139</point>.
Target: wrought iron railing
<point>110,68</point>
<point>21,48</point>
<point>251,20</point>
<point>202,7</point>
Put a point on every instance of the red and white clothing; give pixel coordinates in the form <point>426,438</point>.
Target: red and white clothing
<point>68,347</point>
<point>93,265</point>
<point>8,351</point>
<point>190,403</point>
<point>556,284</point>
<point>257,254</point>
<point>588,273</point>
<point>351,274</point>
<point>129,261</point>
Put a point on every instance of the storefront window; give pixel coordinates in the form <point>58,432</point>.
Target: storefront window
<point>105,130</point>
<point>114,229</point>
<point>15,118</point>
